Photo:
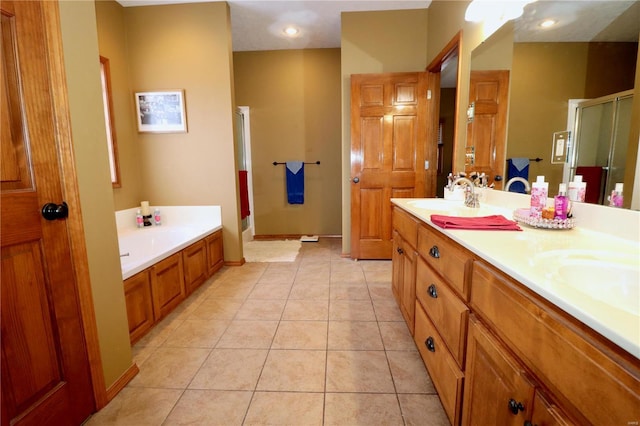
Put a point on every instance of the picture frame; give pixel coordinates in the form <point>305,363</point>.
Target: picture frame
<point>161,111</point>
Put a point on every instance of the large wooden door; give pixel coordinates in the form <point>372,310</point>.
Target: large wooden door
<point>45,371</point>
<point>486,132</point>
<point>388,145</point>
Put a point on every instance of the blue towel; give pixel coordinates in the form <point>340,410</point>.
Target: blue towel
<point>518,167</point>
<point>295,182</point>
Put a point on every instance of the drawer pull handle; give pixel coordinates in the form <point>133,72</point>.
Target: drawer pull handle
<point>515,406</point>
<point>400,251</point>
<point>432,291</point>
<point>434,252</point>
<point>430,344</point>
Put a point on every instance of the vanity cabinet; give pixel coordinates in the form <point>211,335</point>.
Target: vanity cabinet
<point>196,268</point>
<point>404,255</point>
<point>497,352</point>
<point>137,293</point>
<point>167,283</point>
<point>215,252</point>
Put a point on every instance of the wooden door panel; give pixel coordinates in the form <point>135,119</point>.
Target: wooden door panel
<point>488,91</point>
<point>45,368</point>
<point>388,145</point>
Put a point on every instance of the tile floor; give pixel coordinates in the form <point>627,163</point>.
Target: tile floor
<point>319,341</point>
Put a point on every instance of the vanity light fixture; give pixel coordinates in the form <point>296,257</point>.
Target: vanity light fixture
<point>291,31</point>
<point>548,23</point>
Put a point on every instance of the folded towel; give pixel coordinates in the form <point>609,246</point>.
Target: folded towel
<point>518,167</point>
<point>492,223</point>
<point>295,182</point>
<point>244,194</point>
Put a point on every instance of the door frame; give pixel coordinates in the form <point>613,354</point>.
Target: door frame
<point>434,69</point>
<point>71,193</point>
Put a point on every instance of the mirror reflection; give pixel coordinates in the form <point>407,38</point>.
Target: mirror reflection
<point>577,75</point>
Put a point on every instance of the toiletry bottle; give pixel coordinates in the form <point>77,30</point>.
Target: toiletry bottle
<point>139,221</point>
<point>561,203</point>
<point>616,196</point>
<point>156,217</point>
<point>539,191</point>
<point>577,189</point>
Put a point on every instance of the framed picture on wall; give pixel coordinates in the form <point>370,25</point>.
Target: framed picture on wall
<point>161,111</point>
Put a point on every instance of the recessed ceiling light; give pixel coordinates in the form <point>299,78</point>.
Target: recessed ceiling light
<point>291,31</point>
<point>548,23</point>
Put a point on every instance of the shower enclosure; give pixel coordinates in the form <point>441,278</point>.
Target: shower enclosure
<point>243,147</point>
<point>601,138</point>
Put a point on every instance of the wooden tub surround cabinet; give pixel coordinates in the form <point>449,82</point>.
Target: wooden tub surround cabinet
<point>497,351</point>
<point>153,293</point>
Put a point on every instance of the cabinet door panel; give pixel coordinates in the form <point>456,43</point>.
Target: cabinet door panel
<point>583,372</point>
<point>215,252</point>
<point>406,225</point>
<point>167,281</point>
<point>137,292</point>
<point>547,414</point>
<point>497,390</point>
<point>196,269</point>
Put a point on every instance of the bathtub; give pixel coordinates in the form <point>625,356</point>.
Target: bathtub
<point>181,226</point>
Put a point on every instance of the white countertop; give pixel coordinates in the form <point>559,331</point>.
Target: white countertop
<point>604,300</point>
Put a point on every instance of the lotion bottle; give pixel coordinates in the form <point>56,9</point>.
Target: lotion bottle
<point>157,219</point>
<point>539,191</point>
<point>616,196</point>
<point>561,203</point>
<point>577,189</point>
<point>139,220</point>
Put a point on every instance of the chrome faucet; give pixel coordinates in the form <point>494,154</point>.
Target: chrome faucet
<point>470,196</point>
<point>527,187</point>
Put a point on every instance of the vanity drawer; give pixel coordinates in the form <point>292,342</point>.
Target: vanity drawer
<point>447,258</point>
<point>592,379</point>
<point>406,225</point>
<point>444,308</point>
<point>445,374</point>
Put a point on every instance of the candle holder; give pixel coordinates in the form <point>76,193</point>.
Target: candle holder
<point>146,220</point>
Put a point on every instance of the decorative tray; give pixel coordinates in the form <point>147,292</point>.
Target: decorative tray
<point>524,216</point>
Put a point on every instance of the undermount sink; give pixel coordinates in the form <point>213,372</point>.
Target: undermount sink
<point>435,204</point>
<point>455,208</point>
<point>611,278</point>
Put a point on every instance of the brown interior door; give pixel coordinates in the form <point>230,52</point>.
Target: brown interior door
<point>388,144</point>
<point>45,371</point>
<point>486,133</point>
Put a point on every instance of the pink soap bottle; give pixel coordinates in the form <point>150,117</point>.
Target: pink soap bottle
<point>616,199</point>
<point>561,203</point>
<point>539,191</point>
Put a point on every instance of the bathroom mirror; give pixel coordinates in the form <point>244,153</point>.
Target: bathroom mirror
<point>591,53</point>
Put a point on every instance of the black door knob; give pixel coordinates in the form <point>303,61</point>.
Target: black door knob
<point>515,406</point>
<point>498,178</point>
<point>53,211</point>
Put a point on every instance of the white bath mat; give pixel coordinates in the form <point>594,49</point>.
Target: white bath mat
<point>271,251</point>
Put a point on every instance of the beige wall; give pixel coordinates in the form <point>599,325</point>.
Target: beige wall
<point>294,100</point>
<point>375,42</point>
<point>112,41</point>
<point>188,46</point>
<point>80,43</point>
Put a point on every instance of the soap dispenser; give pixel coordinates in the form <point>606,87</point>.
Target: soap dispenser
<point>615,200</point>
<point>539,191</point>
<point>561,203</point>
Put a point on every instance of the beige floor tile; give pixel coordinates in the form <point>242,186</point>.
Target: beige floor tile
<point>349,291</point>
<point>378,276</point>
<point>309,292</point>
<point>279,274</point>
<point>216,308</point>
<point>350,274</point>
<point>141,353</point>
<point>387,310</point>
<point>358,371</point>
<point>160,332</point>
<point>381,291</point>
<point>301,335</point>
<point>137,406</point>
<point>312,310</point>
<point>230,369</point>
<point>408,372</point>
<point>231,291</point>
<point>171,368</point>
<point>362,409</point>
<point>248,335</point>
<point>209,407</point>
<point>396,336</point>
<point>270,291</point>
<point>351,310</point>
<point>354,335</point>
<point>422,410</point>
<point>197,334</point>
<point>293,370</point>
<point>256,309</point>
<point>293,408</point>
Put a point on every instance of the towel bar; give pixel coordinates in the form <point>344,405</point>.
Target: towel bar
<point>275,163</point>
